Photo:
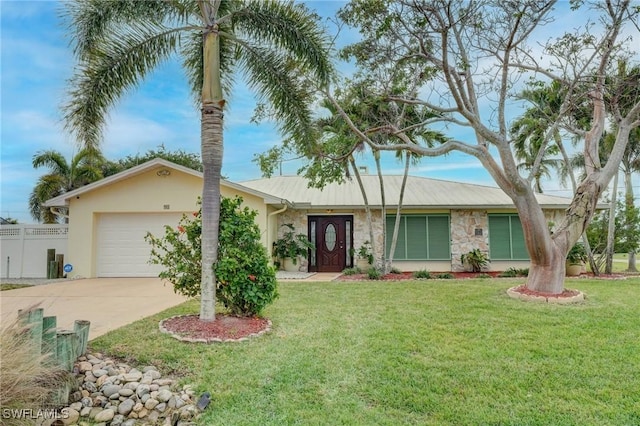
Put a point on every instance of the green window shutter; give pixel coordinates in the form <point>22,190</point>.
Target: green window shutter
<point>506,238</point>
<point>421,237</point>
<point>416,237</point>
<point>439,245</point>
<point>499,237</point>
<point>400,252</point>
<point>518,248</point>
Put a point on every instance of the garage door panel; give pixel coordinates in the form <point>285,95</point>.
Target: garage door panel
<point>121,248</point>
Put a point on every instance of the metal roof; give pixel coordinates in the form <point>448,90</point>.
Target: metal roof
<point>419,193</point>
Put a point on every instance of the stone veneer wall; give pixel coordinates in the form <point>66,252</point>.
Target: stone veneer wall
<point>463,226</point>
<point>361,232</point>
<point>463,238</point>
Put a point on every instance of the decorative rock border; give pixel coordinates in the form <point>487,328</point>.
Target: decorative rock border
<point>110,392</point>
<point>177,336</point>
<point>559,300</point>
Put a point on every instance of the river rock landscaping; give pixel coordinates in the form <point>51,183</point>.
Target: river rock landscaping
<point>113,393</point>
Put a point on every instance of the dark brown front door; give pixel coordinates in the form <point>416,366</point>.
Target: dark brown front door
<point>333,236</point>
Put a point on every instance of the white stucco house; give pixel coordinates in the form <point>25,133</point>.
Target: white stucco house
<point>440,219</point>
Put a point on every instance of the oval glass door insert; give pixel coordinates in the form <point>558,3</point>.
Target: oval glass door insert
<point>330,237</point>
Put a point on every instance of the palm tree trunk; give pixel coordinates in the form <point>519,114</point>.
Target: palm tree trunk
<point>383,213</point>
<point>396,225</point>
<point>612,228</point>
<point>628,199</point>
<point>212,149</point>
<point>367,208</point>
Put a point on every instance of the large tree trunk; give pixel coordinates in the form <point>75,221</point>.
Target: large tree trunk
<point>548,252</point>
<point>212,149</point>
<point>548,278</point>
<point>547,269</point>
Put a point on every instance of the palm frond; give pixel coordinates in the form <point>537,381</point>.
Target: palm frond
<point>52,159</point>
<point>47,187</point>
<point>275,78</point>
<point>289,27</point>
<point>91,21</point>
<point>117,64</point>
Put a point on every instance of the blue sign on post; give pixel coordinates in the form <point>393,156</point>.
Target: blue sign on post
<point>68,267</point>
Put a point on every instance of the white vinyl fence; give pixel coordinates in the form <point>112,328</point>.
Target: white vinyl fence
<point>23,249</point>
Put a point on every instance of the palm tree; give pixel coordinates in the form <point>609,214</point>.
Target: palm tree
<point>84,168</point>
<point>118,43</point>
<point>532,133</point>
<point>631,164</point>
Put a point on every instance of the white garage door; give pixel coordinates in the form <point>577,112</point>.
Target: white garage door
<point>122,250</point>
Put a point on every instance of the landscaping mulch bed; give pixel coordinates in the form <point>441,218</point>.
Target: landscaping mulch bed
<point>226,328</point>
<point>402,276</point>
<point>566,293</point>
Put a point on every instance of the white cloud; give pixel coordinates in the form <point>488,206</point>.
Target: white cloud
<point>129,134</point>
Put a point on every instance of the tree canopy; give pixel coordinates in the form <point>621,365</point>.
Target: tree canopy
<point>473,60</point>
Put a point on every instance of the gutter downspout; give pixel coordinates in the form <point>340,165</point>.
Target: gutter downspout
<point>282,210</point>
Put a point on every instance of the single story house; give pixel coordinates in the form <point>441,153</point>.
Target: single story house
<point>440,221</point>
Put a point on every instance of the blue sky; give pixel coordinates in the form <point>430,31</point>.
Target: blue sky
<point>36,63</point>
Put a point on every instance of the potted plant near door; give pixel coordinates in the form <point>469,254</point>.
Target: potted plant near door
<point>291,247</point>
<point>576,259</point>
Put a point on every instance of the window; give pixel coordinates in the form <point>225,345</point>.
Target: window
<point>420,237</point>
<point>506,239</point>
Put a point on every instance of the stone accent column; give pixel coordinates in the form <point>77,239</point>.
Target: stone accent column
<point>361,232</point>
<point>469,231</point>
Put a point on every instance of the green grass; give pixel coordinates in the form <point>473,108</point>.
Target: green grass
<point>621,261</point>
<point>9,286</point>
<point>434,352</point>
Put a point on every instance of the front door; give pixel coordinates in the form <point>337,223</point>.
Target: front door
<point>333,239</point>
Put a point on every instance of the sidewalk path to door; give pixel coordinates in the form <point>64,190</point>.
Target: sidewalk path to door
<point>109,303</point>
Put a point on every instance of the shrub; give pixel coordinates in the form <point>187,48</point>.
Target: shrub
<point>395,270</point>
<point>351,271</point>
<point>509,273</point>
<point>27,378</point>
<point>513,272</point>
<point>422,274</point>
<point>246,283</point>
<point>445,276</point>
<point>373,274</point>
<point>476,259</point>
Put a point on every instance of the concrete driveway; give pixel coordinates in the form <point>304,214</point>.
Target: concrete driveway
<point>109,303</point>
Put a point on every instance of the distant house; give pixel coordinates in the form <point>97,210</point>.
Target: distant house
<point>440,219</point>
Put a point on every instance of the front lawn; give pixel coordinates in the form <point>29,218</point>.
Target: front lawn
<point>433,352</point>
